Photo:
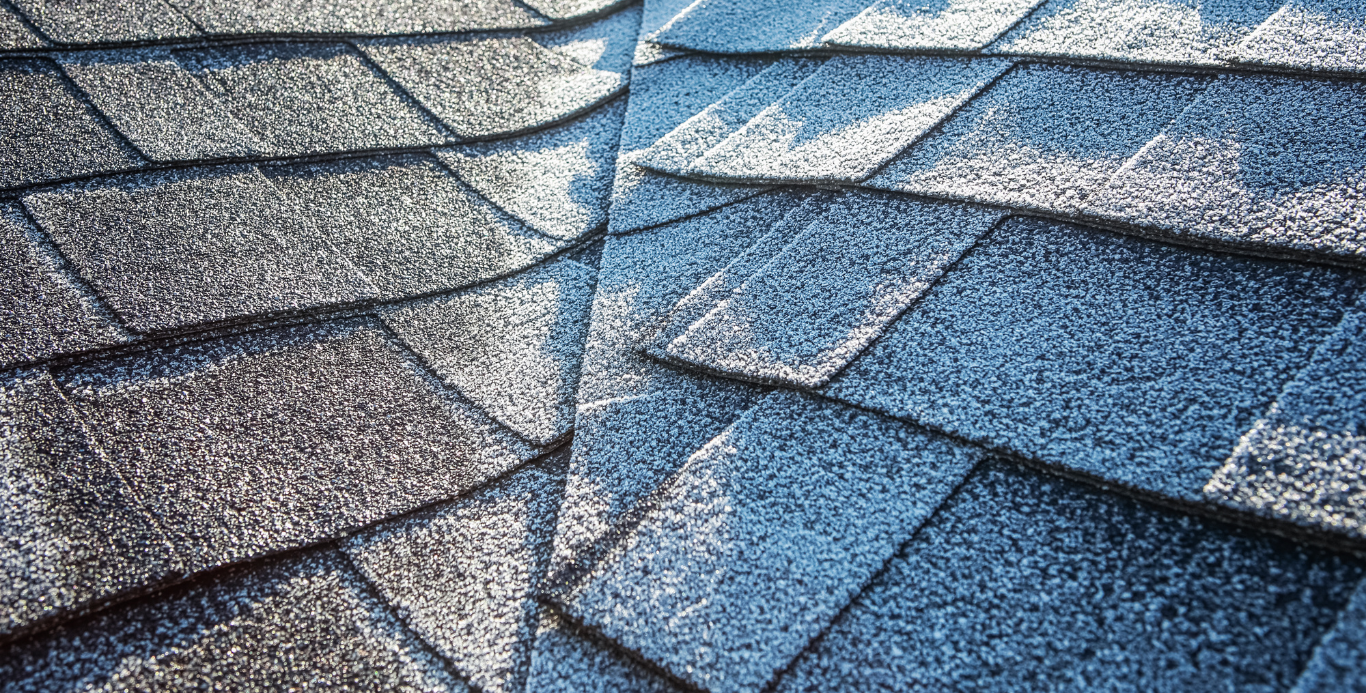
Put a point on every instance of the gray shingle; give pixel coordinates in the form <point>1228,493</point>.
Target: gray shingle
<point>73,532</point>
<point>944,25</point>
<point>1339,662</point>
<point>409,225</point>
<point>1303,461</point>
<point>765,535</point>
<point>306,623</point>
<point>655,16</point>
<point>170,250</point>
<point>163,110</point>
<point>607,44</point>
<point>494,87</point>
<point>853,265</point>
<point>512,347</point>
<point>756,26</point>
<point>559,181</point>
<point>1310,35</point>
<point>566,662</point>
<point>375,17</point>
<point>15,33</point>
<point>1270,162</point>
<point>1181,32</point>
<point>278,439</point>
<point>305,98</point>
<point>1026,582</point>
<point>572,9</point>
<point>1133,361</point>
<point>42,311</point>
<point>47,133</point>
<point>1044,137</point>
<point>106,21</point>
<point>461,576</point>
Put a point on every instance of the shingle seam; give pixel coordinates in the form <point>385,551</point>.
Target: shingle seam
<point>592,634</point>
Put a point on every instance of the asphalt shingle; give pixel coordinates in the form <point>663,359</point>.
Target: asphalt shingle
<point>1274,163</point>
<point>375,17</point>
<point>47,132</point>
<point>1339,662</point>
<point>15,34</point>
<point>73,532</point>
<point>560,10</point>
<point>277,439</point>
<point>306,623</point>
<point>765,535</point>
<point>405,222</point>
<point>175,249</point>
<point>607,44</point>
<point>655,15</point>
<point>512,347</point>
<point>494,87</point>
<point>564,661</point>
<point>559,181</point>
<point>1026,582</point>
<point>756,26</point>
<point>106,21</point>
<point>945,25</point>
<point>1325,35</point>
<point>1125,359</point>
<point>1044,137</point>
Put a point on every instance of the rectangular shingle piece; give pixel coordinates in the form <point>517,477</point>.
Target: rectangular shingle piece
<point>945,25</point>
<point>756,26</point>
<point>373,17</point>
<point>106,21</point>
<point>1325,35</point>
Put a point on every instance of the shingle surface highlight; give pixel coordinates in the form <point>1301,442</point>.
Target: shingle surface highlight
<point>565,662</point>
<point>571,9</point>
<point>106,21</point>
<point>756,26</point>
<point>944,25</point>
<point>607,44</point>
<point>375,17</point>
<point>1026,582</point>
<point>1325,35</point>
<point>15,34</point>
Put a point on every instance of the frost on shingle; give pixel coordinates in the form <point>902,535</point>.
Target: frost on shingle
<point>1303,462</point>
<point>307,98</point>
<point>656,14</point>
<point>756,26</point>
<point>963,25</point>
<point>49,133</point>
<point>461,575</point>
<point>1133,361</point>
<point>1043,137</point>
<point>106,21</point>
<point>559,181</point>
<point>853,266</point>
<point>174,249</point>
<point>15,34</point>
<point>848,119</point>
<point>571,9</point>
<point>73,532</point>
<point>1274,163</point>
<point>374,17</point>
<point>565,661</point>
<point>304,623</point>
<point>161,108</point>
<point>42,311</point>
<point>607,44</point>
<point>278,439</point>
<point>1311,35</point>
<point>1028,582</point>
<point>405,222</point>
<point>512,347</point>
<point>494,87</point>
<point>1182,32</point>
<point>765,535</point>
<point>1339,662</point>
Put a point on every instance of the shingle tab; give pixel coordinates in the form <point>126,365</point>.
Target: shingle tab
<point>607,44</point>
<point>656,15</point>
<point>48,132</point>
<point>1311,35</point>
<point>278,439</point>
<point>756,26</point>
<point>15,33</point>
<point>572,9</point>
<point>767,533</point>
<point>1181,32</point>
<point>374,17</point>
<point>106,21</point>
<point>559,181</point>
<point>409,225</point>
<point>42,311</point>
<point>854,264</point>
<point>1133,361</point>
<point>484,88</point>
<point>73,532</point>
<point>948,25</point>
<point>566,662</point>
<point>512,347</point>
<point>306,623</point>
<point>304,98</point>
<point>1027,582</point>
<point>1339,662</point>
<point>1275,163</point>
<point>170,250</point>
<point>1044,137</point>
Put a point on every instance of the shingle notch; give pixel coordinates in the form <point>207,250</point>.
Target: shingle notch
<point>106,21</point>
<point>756,26</point>
<point>368,17</point>
<point>1325,35</point>
<point>943,25</point>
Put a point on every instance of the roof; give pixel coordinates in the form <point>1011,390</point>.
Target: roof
<point>714,345</point>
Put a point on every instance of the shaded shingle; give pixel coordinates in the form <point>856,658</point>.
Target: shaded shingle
<point>1339,662</point>
<point>47,133</point>
<point>963,25</point>
<point>571,9</point>
<point>558,181</point>
<point>1043,137</point>
<point>73,532</point>
<point>1133,361</point>
<point>376,17</point>
<point>306,623</point>
<point>765,535</point>
<point>607,44</point>
<point>407,223</point>
<point>1311,35</point>
<point>1025,582</point>
<point>106,21</point>
<point>494,87</point>
<point>566,662</point>
<point>278,439</point>
<point>1271,162</point>
<point>169,250</point>
<point>512,347</point>
<point>756,26</point>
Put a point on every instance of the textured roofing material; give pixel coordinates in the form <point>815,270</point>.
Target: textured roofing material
<point>607,44</point>
<point>755,26</point>
<point>235,17</point>
<point>570,9</point>
<point>1337,663</point>
<point>15,33</point>
<point>1325,35</point>
<point>946,25</point>
<point>106,21</point>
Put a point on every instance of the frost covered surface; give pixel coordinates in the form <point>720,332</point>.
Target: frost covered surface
<point>755,26</point>
<point>1327,35</point>
<point>941,25</point>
